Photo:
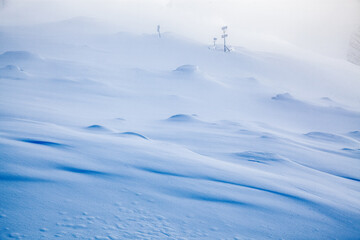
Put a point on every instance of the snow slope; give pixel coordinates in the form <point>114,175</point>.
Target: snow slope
<point>121,136</point>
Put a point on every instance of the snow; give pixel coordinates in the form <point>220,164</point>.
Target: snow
<point>187,69</point>
<point>12,72</point>
<point>122,136</point>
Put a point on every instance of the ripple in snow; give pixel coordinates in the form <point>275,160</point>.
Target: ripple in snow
<point>133,134</point>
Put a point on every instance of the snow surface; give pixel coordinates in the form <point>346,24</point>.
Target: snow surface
<point>121,136</point>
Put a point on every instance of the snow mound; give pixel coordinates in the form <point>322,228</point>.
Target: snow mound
<point>283,97</point>
<point>97,128</point>
<point>187,69</point>
<point>355,134</point>
<point>329,137</point>
<point>12,72</point>
<point>182,118</point>
<point>328,102</point>
<point>352,151</point>
<point>327,99</point>
<point>133,134</point>
<point>18,56</point>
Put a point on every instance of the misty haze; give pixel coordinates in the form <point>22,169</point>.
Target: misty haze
<point>179,119</point>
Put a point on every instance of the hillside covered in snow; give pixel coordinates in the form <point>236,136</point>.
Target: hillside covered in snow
<point>109,135</point>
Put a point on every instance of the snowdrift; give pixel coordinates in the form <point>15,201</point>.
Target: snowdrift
<point>239,145</point>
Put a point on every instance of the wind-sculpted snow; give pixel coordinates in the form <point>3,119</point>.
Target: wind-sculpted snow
<point>355,134</point>
<point>187,69</point>
<point>97,128</point>
<point>258,157</point>
<point>133,134</point>
<point>12,72</point>
<point>42,142</point>
<point>283,97</point>
<point>182,118</point>
<point>119,136</point>
<point>331,138</point>
<point>325,116</point>
<point>18,56</point>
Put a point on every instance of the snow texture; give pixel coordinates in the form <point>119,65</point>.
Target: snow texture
<point>122,136</point>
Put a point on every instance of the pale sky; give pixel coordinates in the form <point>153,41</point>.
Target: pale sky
<point>323,26</point>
